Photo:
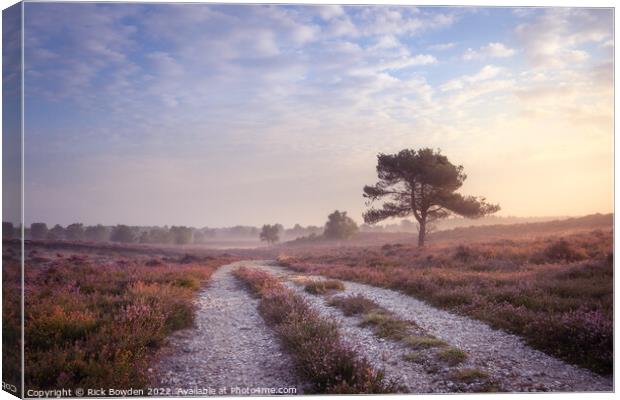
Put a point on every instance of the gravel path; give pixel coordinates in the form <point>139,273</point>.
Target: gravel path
<point>230,346</point>
<point>507,359</point>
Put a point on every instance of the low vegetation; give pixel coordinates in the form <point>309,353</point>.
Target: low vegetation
<point>323,286</point>
<point>557,293</point>
<point>452,355</point>
<point>388,326</point>
<point>353,305</point>
<point>321,357</point>
<point>98,325</point>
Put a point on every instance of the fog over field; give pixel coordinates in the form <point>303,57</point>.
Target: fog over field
<point>277,113</point>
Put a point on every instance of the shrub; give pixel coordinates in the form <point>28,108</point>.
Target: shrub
<point>562,250</point>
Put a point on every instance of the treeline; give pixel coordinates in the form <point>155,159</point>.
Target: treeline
<point>146,234</point>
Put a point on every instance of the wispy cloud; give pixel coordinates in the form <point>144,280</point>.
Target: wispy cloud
<point>491,50</point>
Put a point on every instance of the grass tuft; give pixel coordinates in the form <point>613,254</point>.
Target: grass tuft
<point>323,286</point>
<point>423,342</point>
<point>353,305</point>
<point>452,356</point>
<point>386,325</point>
<point>470,375</point>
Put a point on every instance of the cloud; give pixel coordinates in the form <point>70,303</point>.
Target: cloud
<point>553,38</point>
<point>492,50</point>
<point>487,72</point>
<point>328,12</point>
<point>442,46</point>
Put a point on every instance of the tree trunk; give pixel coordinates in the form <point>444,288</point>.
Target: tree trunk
<point>422,233</point>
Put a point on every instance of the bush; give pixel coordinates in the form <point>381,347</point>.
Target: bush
<point>562,250</point>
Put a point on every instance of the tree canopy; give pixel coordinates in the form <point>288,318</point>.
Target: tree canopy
<point>421,183</point>
<point>270,233</point>
<point>339,226</point>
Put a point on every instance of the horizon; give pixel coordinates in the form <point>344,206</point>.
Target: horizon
<point>384,224</point>
<point>275,113</point>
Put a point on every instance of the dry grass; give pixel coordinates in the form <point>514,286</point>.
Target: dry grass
<point>323,286</point>
<point>423,342</point>
<point>353,305</point>
<point>470,375</point>
<point>452,355</point>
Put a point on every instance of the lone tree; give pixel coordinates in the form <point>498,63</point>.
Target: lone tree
<point>422,183</point>
<point>270,233</point>
<point>339,226</point>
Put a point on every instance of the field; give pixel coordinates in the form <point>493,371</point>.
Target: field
<point>97,319</point>
<point>556,292</point>
<point>104,315</point>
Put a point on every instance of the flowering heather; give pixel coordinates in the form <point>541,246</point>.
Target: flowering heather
<point>90,325</point>
<point>557,293</point>
<point>321,357</point>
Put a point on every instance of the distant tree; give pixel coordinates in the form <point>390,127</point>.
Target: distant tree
<point>181,234</point>
<point>160,235</point>
<point>75,232</point>
<point>122,234</point>
<point>270,233</point>
<point>339,226</point>
<point>7,230</point>
<point>57,233</point>
<point>144,237</point>
<point>38,230</point>
<point>96,233</point>
<point>422,183</point>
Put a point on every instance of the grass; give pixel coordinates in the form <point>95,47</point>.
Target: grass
<point>323,286</point>
<point>555,292</point>
<point>452,355</point>
<point>469,375</point>
<point>423,342</point>
<point>353,305</point>
<point>91,325</point>
<point>415,357</point>
<point>321,357</point>
<point>385,325</point>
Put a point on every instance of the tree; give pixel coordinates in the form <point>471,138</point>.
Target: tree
<point>96,233</point>
<point>123,234</point>
<point>181,234</point>
<point>38,230</point>
<point>270,233</point>
<point>7,230</point>
<point>160,235</point>
<point>339,226</point>
<point>75,232</point>
<point>57,233</point>
<point>422,183</point>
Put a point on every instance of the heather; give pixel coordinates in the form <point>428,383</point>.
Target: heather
<point>98,324</point>
<point>321,357</point>
<point>555,292</point>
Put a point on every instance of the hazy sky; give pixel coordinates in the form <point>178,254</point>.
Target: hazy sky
<point>222,115</point>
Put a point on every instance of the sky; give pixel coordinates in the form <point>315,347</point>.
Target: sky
<point>217,115</point>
